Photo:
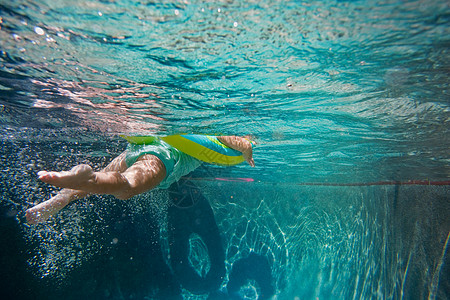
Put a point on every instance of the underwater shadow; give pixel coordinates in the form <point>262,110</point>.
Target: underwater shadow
<point>197,255</point>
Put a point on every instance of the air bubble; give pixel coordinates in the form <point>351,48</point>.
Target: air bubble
<point>39,30</point>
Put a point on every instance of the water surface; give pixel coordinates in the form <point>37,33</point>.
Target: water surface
<point>336,92</point>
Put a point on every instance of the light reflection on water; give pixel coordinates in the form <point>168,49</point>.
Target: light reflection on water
<point>340,242</point>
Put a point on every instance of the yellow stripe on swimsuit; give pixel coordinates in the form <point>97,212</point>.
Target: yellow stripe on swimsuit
<point>203,147</point>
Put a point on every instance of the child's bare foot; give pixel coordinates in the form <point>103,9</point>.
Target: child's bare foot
<point>73,179</point>
<point>35,216</point>
<point>45,210</point>
<point>40,213</point>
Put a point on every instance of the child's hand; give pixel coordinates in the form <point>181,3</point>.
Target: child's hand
<point>240,144</point>
<point>251,162</point>
<point>248,156</point>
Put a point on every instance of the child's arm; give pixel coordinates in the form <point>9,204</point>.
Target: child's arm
<point>240,144</point>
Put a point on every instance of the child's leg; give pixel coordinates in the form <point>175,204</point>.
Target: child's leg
<point>115,179</point>
<point>44,210</point>
<point>146,173</point>
<point>81,173</point>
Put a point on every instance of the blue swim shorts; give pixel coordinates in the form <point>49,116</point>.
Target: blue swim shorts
<point>176,162</point>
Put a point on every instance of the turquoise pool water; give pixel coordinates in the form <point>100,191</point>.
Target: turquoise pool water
<point>349,103</point>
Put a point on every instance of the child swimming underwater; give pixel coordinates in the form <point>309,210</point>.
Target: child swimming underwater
<point>140,168</point>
